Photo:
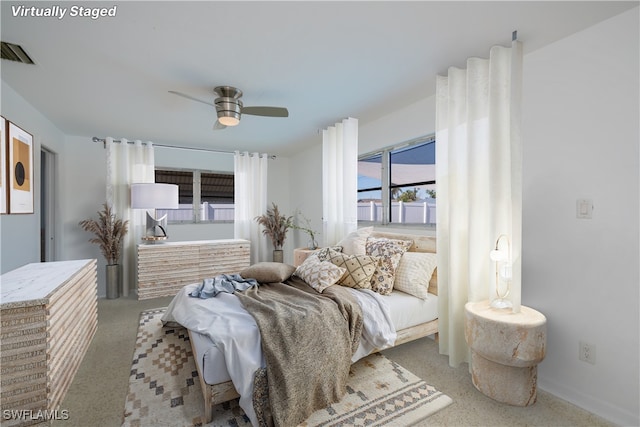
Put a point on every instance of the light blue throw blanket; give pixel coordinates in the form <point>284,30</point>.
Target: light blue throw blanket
<point>228,283</point>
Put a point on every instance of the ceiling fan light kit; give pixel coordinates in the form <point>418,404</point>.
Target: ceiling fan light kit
<point>229,108</point>
<point>228,105</point>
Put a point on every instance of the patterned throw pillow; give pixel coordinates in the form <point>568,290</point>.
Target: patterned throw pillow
<point>414,273</point>
<point>319,274</point>
<point>389,251</point>
<point>360,268</point>
<point>323,253</point>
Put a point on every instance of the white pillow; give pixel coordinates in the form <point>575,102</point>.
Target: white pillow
<point>354,243</point>
<point>414,273</point>
<point>319,274</point>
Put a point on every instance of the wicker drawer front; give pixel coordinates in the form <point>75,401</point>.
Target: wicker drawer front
<point>24,361</point>
<point>44,337</point>
<point>164,269</point>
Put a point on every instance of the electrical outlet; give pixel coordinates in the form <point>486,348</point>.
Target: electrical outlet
<point>587,352</point>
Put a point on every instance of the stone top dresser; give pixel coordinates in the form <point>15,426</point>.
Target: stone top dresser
<point>48,317</point>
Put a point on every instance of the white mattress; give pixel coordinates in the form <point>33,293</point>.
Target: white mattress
<point>211,359</point>
<point>406,311</point>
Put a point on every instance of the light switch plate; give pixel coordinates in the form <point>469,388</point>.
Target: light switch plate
<point>584,208</point>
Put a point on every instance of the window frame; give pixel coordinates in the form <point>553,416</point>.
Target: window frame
<point>387,186</point>
<point>196,189</point>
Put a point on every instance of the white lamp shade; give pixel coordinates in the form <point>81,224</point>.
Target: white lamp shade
<point>154,196</point>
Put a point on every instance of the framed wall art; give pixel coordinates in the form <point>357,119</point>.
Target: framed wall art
<point>20,182</point>
<point>3,165</point>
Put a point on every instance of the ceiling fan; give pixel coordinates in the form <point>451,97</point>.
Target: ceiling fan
<point>229,107</point>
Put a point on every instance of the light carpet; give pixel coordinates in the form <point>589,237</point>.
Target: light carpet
<point>164,389</point>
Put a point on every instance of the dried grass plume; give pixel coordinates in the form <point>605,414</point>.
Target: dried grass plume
<point>275,225</point>
<point>109,231</point>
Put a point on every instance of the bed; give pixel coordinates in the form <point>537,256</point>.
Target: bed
<point>412,311</point>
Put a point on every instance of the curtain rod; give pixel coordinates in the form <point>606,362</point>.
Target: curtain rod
<point>104,143</point>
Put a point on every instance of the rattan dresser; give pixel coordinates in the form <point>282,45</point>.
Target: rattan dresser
<point>48,318</point>
<point>165,268</point>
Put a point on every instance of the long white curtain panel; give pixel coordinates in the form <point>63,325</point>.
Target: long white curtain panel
<point>128,163</point>
<point>250,199</point>
<point>339,180</point>
<point>479,178</point>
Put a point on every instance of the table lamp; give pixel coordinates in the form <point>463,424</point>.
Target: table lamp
<point>503,272</point>
<point>154,196</point>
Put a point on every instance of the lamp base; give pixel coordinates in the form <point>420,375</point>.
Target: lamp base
<point>154,239</point>
<point>156,228</point>
<point>501,303</point>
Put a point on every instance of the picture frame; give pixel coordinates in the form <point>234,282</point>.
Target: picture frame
<point>20,170</point>
<point>3,167</point>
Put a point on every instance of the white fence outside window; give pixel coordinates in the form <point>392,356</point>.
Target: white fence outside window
<point>423,212</point>
<point>208,212</point>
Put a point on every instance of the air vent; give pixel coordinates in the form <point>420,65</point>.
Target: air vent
<point>14,52</point>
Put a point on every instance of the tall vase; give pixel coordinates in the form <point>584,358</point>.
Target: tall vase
<point>278,255</point>
<point>312,244</point>
<point>113,281</point>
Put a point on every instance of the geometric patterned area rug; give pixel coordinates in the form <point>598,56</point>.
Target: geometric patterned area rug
<point>164,389</point>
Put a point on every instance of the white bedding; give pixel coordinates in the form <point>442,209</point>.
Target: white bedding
<point>231,339</point>
<point>405,310</point>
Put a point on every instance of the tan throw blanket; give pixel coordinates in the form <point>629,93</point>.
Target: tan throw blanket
<point>307,342</point>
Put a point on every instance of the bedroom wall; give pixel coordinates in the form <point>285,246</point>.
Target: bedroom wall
<point>581,129</point>
<point>581,136</point>
<point>20,234</point>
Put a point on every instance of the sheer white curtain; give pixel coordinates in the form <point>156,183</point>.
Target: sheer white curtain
<point>479,176</point>
<point>128,163</point>
<point>250,199</point>
<point>339,180</point>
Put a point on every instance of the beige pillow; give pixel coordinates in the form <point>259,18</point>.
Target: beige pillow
<point>360,268</point>
<point>389,251</point>
<point>354,243</point>
<point>414,273</point>
<point>268,272</point>
<point>319,274</point>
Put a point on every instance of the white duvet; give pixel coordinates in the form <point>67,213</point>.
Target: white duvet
<point>235,333</point>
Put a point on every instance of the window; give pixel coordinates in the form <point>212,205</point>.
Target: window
<point>398,184</point>
<point>212,192</point>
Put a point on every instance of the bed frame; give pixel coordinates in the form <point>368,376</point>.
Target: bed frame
<point>214,394</point>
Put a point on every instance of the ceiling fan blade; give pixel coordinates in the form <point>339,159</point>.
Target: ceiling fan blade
<point>219,126</point>
<point>266,111</point>
<point>184,95</point>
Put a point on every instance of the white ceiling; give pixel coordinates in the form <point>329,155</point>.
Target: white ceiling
<point>324,61</point>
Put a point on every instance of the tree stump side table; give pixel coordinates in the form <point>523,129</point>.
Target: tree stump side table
<point>506,349</point>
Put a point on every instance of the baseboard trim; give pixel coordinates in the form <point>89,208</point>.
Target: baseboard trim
<point>606,410</point>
